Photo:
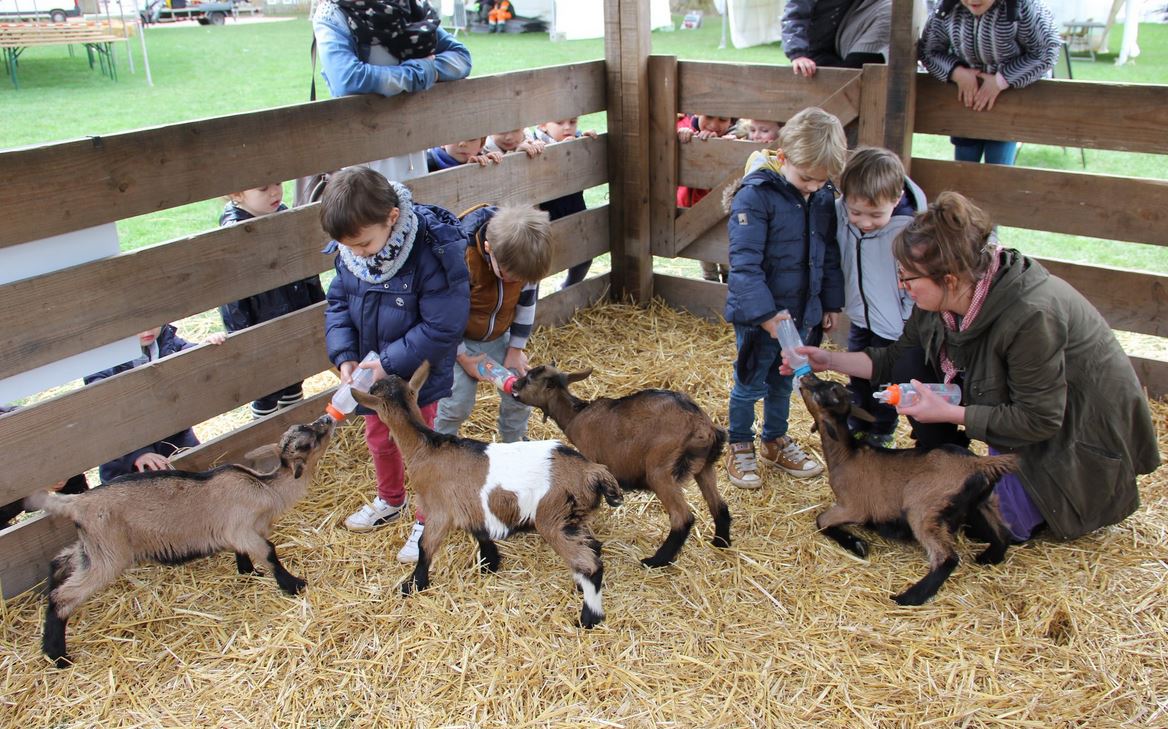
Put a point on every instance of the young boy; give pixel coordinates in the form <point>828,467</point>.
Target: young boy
<point>550,133</point>
<point>460,153</point>
<point>783,255</point>
<point>156,343</point>
<point>508,252</point>
<point>272,303</point>
<point>760,130</point>
<point>402,291</point>
<point>878,202</point>
<point>515,140</point>
<point>702,126</point>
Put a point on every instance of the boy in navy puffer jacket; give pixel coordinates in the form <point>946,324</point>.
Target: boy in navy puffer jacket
<point>783,255</point>
<point>402,290</point>
<point>268,305</point>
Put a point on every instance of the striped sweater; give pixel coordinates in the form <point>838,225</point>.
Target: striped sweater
<point>1014,38</point>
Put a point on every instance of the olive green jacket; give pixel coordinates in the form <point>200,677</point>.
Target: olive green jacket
<point>1045,377</point>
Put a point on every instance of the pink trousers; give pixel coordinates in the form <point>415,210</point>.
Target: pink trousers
<point>387,459</point>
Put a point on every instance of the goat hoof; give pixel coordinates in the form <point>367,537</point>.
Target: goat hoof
<point>656,562</point>
<point>909,598</point>
<point>293,585</point>
<point>720,542</point>
<point>490,567</point>
<point>991,556</point>
<point>407,587</point>
<point>590,620</point>
<point>859,548</point>
<point>62,661</point>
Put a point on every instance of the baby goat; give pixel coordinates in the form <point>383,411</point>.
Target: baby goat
<point>931,492</point>
<point>657,439</point>
<point>489,489</point>
<point>174,517</point>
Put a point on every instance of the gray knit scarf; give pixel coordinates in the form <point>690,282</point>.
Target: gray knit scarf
<point>384,264</point>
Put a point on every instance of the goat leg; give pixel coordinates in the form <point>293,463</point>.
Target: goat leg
<point>488,552</point>
<point>989,521</point>
<point>53,637</point>
<point>288,582</point>
<point>708,484</point>
<point>681,521</point>
<point>829,523</point>
<point>243,564</point>
<point>938,544</point>
<point>436,528</point>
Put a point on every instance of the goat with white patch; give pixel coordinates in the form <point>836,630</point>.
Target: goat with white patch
<point>490,489</point>
<point>655,439</point>
<point>174,517</point>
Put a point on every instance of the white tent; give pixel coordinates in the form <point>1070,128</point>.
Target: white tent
<point>578,19</point>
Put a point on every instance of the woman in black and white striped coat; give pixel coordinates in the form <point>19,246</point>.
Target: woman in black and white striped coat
<point>985,47</point>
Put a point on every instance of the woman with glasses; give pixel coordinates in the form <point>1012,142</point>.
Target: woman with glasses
<point>1041,372</point>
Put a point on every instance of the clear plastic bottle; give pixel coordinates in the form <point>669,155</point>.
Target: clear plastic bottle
<point>343,401</point>
<point>905,394</point>
<point>789,339</point>
<point>497,374</point>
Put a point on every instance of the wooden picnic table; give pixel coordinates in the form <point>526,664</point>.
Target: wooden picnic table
<point>98,40</point>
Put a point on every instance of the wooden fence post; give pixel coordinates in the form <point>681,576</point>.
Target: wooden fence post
<point>626,56</point>
<point>900,106</point>
<point>662,154</point>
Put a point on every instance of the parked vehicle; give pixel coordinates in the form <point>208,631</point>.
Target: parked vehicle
<point>57,11</point>
<point>206,13</point>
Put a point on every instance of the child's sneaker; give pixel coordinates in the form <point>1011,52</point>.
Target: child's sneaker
<point>373,516</point>
<point>409,550</point>
<point>785,453</point>
<point>741,466</point>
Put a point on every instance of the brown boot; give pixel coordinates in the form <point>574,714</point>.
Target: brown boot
<point>741,466</point>
<point>785,453</point>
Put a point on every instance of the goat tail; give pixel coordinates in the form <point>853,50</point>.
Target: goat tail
<point>51,502</point>
<point>606,485</point>
<point>720,438</point>
<point>994,467</point>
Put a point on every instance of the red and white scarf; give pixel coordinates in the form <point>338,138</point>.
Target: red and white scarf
<point>980,291</point>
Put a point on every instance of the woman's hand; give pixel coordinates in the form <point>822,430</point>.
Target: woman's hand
<point>819,359</point>
<point>932,408</point>
<point>966,80</point>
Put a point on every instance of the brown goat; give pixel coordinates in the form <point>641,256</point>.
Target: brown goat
<point>930,492</point>
<point>489,489</point>
<point>655,439</point>
<point>174,517</point>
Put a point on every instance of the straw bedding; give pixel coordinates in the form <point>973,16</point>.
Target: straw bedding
<point>784,629</point>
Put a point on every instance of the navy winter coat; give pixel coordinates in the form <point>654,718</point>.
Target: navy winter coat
<point>418,314</point>
<point>168,342</point>
<point>272,303</point>
<point>783,252</point>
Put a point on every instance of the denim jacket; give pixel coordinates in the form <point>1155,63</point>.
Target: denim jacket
<point>350,69</point>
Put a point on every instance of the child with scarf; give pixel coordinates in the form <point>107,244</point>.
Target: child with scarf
<point>402,290</point>
<point>386,47</point>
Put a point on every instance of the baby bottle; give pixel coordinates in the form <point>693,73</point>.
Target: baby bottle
<point>496,374</point>
<point>343,401</point>
<point>905,394</point>
<point>789,339</point>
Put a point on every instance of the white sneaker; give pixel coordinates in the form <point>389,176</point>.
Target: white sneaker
<point>373,516</point>
<point>409,550</point>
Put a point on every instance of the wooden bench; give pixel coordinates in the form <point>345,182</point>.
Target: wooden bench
<point>97,39</point>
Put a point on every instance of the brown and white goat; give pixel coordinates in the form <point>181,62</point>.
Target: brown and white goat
<point>490,489</point>
<point>177,516</point>
<point>932,492</point>
<point>655,439</point>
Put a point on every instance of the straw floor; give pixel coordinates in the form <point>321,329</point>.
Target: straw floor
<point>783,629</point>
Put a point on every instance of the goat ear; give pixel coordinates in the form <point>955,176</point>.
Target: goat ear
<point>297,469</point>
<point>364,398</point>
<point>861,414</point>
<point>420,375</point>
<point>577,376</point>
<point>262,460</point>
<point>296,464</point>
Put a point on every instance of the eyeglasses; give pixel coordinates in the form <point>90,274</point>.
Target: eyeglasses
<point>906,279</point>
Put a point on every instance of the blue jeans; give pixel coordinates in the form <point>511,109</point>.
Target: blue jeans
<point>765,384</point>
<point>966,149</point>
<point>455,409</point>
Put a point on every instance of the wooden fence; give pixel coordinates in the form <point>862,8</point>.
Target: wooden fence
<point>75,185</point>
<point>1069,113</point>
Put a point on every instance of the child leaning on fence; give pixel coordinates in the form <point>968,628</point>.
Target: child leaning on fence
<point>272,303</point>
<point>401,290</point>
<point>878,201</point>
<point>783,255</point>
<point>550,133</point>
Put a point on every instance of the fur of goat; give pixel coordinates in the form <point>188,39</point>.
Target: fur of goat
<point>930,493</point>
<point>655,439</point>
<point>174,517</point>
